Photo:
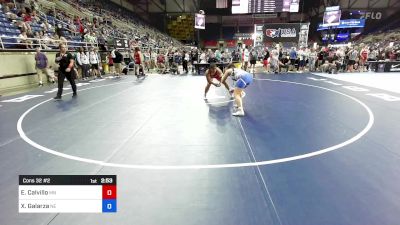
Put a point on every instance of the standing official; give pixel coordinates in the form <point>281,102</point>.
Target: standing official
<point>66,62</point>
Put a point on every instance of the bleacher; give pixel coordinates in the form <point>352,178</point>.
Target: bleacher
<point>8,31</point>
<point>123,25</point>
<point>6,27</point>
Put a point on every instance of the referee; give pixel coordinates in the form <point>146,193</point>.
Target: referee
<point>66,62</point>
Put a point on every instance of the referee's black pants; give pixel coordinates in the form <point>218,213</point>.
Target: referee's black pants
<point>185,66</point>
<point>61,76</point>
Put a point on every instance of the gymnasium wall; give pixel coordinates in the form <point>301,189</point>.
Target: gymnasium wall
<point>17,70</point>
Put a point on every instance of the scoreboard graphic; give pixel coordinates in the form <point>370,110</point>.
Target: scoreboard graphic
<point>264,6</point>
<point>67,194</point>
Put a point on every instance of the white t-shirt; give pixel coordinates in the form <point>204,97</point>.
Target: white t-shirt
<point>246,55</point>
<point>300,54</point>
<point>82,58</point>
<point>94,58</point>
<point>353,55</point>
<point>313,55</point>
<point>203,58</point>
<point>273,59</point>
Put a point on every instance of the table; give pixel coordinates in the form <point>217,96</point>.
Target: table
<point>385,66</point>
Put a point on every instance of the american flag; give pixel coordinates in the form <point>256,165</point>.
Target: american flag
<point>222,4</point>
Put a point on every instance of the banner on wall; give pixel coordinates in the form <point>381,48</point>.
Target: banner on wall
<point>344,24</point>
<point>281,32</point>
<point>200,21</point>
<point>303,36</point>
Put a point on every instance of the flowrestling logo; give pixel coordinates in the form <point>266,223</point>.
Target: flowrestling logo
<point>281,32</point>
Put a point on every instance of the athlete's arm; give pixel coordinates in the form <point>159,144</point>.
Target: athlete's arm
<point>227,73</point>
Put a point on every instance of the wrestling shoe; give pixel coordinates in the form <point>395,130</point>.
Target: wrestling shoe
<point>239,112</point>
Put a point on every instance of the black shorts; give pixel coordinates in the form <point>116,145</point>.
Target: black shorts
<point>351,62</point>
<point>95,66</point>
<point>253,62</point>
<point>292,62</point>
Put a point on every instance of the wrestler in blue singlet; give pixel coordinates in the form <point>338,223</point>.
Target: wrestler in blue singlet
<point>242,78</point>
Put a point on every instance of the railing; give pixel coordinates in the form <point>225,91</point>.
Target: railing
<point>31,43</point>
<point>47,4</point>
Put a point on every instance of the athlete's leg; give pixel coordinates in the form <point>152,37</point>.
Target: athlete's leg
<point>226,85</point>
<point>238,97</point>
<point>239,102</point>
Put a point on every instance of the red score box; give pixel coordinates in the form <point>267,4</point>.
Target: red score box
<point>109,192</point>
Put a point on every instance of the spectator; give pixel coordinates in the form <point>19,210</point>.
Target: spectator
<point>110,63</point>
<point>218,55</point>
<point>138,58</point>
<point>47,41</point>
<point>161,62</point>
<point>82,58</point>
<point>363,58</point>
<point>94,59</point>
<point>117,58</point>
<point>302,60</point>
<point>10,15</point>
<point>293,58</point>
<point>284,63</point>
<point>46,26</point>
<point>146,60</point>
<point>60,30</point>
<point>352,54</point>
<point>246,58</point>
<point>153,58</point>
<point>27,18</point>
<point>313,57</point>
<point>265,60</point>
<point>42,67</point>
<point>202,57</point>
<point>253,59</point>
<point>185,57</point>
<point>24,42</point>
